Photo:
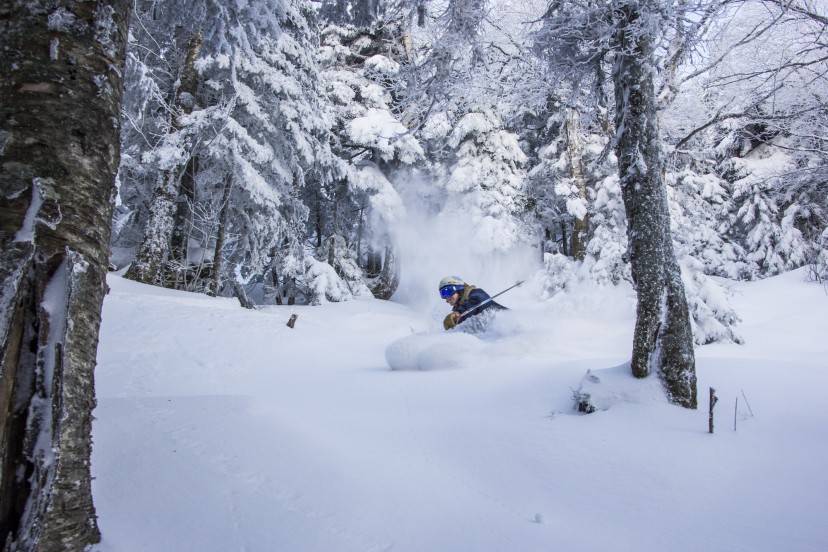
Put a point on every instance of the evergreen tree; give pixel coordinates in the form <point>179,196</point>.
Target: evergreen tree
<point>485,179</point>
<point>361,70</point>
<point>273,138</point>
<point>754,123</point>
<point>249,139</point>
<point>607,260</point>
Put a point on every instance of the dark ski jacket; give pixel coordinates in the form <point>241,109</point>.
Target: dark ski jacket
<point>469,302</point>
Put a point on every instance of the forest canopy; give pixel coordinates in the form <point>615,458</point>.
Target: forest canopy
<point>278,144</point>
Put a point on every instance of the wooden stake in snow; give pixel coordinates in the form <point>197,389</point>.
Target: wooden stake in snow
<point>292,320</point>
<point>713,400</point>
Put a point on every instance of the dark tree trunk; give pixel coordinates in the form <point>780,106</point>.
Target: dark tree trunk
<point>332,243</point>
<point>60,97</point>
<point>359,232</point>
<point>160,223</point>
<point>564,240</point>
<point>360,13</point>
<point>319,221</point>
<point>335,11</point>
<point>580,226</point>
<point>182,222</point>
<point>365,13</point>
<point>373,263</point>
<point>218,261</point>
<point>389,277</point>
<point>274,280</point>
<point>663,339</point>
<point>290,287</point>
<point>546,242</point>
<point>241,295</point>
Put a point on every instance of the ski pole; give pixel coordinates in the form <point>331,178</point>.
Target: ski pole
<point>489,300</point>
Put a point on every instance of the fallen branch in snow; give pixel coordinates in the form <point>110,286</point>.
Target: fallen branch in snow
<point>292,320</point>
<point>240,294</point>
<point>746,402</point>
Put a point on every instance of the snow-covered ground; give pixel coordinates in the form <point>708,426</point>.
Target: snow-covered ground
<point>220,429</point>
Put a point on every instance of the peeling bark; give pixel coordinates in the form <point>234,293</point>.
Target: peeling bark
<point>60,96</point>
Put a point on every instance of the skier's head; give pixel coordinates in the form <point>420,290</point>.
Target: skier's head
<point>451,285</point>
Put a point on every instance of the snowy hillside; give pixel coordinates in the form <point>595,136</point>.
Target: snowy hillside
<point>220,429</point>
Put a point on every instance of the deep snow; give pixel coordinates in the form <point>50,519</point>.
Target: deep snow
<point>220,429</point>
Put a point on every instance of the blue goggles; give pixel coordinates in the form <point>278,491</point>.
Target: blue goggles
<point>448,291</point>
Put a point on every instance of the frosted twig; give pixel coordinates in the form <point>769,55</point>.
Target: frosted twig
<point>746,402</point>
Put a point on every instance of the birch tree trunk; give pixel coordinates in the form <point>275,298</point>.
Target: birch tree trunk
<point>663,339</point>
<point>160,223</point>
<point>60,96</point>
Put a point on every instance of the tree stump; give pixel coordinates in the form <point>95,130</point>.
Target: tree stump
<point>713,400</point>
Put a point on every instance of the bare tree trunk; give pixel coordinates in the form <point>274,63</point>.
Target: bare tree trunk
<point>580,227</point>
<point>159,229</point>
<point>319,225</point>
<point>277,287</point>
<point>373,264</point>
<point>241,295</point>
<point>146,266</point>
<point>389,278</point>
<point>663,339</point>
<point>332,250</point>
<point>182,221</point>
<point>60,98</point>
<point>275,282</point>
<point>364,13</point>
<point>218,265</point>
<point>564,241</point>
<point>290,286</point>
<point>359,232</point>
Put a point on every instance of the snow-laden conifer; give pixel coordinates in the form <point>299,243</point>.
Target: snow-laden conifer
<point>361,67</point>
<point>484,181</point>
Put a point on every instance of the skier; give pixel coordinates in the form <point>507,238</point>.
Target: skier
<point>466,300</point>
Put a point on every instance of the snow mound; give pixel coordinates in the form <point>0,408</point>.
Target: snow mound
<point>432,351</point>
<point>602,389</point>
